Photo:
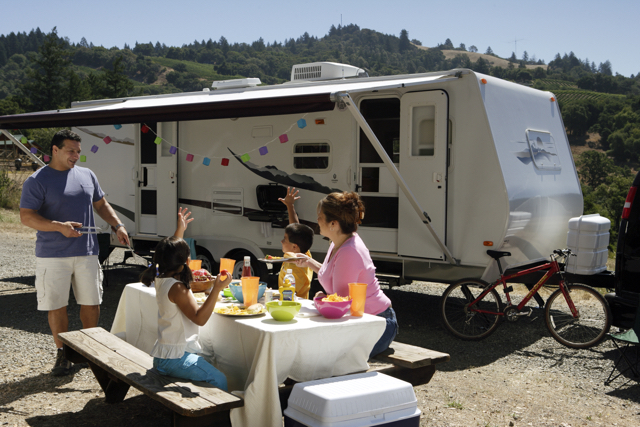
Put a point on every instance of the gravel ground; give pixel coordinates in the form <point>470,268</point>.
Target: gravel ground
<point>519,376</point>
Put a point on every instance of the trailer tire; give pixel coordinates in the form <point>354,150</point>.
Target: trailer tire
<point>207,260</point>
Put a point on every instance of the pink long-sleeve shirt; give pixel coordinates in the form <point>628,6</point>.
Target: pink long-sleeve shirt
<point>352,263</point>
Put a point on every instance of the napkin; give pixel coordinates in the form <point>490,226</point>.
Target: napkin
<point>307,312</point>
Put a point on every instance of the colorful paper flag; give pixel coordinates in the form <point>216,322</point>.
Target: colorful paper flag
<point>245,158</point>
<point>225,162</point>
<point>94,149</point>
<point>117,126</point>
<point>34,150</point>
<point>46,158</point>
<point>24,140</point>
<point>189,157</point>
<point>302,123</point>
<point>263,151</point>
<point>206,161</point>
<point>283,138</point>
<point>83,158</point>
<point>144,129</point>
<point>158,141</point>
<point>173,150</point>
<point>107,139</point>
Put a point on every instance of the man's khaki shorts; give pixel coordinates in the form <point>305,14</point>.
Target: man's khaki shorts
<point>54,276</point>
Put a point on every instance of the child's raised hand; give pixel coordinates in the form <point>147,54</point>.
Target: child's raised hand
<point>291,197</point>
<point>183,219</point>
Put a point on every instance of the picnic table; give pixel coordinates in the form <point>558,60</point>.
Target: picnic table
<point>257,354</point>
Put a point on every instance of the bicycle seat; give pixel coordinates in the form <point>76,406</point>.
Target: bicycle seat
<point>497,254</point>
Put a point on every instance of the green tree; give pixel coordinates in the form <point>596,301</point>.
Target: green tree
<point>594,168</point>
<point>405,44</point>
<point>489,51</point>
<point>50,72</point>
<point>576,118</point>
<point>116,83</point>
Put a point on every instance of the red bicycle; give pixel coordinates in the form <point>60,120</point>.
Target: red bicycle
<point>576,315</point>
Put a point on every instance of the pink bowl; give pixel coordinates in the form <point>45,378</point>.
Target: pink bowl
<point>332,310</point>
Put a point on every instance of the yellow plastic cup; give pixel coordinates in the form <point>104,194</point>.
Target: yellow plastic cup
<point>250,286</point>
<point>358,294</point>
<point>227,264</point>
<point>195,264</point>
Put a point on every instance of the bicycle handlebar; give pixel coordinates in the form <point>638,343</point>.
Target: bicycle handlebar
<point>563,252</point>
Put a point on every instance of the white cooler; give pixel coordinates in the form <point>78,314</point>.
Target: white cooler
<point>588,239</point>
<point>368,399</point>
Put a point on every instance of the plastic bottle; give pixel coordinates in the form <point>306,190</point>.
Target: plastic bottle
<point>246,269</point>
<point>288,288</point>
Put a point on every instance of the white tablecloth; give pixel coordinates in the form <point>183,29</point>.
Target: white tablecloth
<point>256,354</point>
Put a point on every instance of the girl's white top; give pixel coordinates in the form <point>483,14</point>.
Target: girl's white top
<point>176,333</point>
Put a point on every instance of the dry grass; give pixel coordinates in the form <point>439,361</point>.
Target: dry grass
<point>10,223</point>
<point>474,56</point>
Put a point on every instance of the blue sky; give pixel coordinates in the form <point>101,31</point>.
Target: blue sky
<point>593,29</point>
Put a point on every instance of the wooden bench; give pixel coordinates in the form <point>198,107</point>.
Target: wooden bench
<point>118,365</point>
<point>415,365</point>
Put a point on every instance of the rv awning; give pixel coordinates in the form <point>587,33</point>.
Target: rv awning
<point>218,104</point>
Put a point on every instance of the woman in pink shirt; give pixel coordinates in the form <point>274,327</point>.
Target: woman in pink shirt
<point>348,259</point>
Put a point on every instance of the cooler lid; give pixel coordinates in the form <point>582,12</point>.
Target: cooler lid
<point>352,396</point>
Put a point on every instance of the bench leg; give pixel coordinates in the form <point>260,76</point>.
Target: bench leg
<point>114,390</point>
<point>221,419</point>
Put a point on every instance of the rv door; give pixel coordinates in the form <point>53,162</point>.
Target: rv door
<point>423,165</point>
<point>157,189</point>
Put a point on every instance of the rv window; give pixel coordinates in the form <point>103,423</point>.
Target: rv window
<point>381,212</point>
<point>148,149</point>
<point>542,148</point>
<point>311,155</point>
<point>383,116</point>
<point>423,130</point>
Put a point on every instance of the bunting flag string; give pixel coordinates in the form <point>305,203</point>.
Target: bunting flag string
<point>224,161</point>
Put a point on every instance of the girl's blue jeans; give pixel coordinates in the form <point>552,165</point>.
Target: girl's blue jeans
<point>191,367</point>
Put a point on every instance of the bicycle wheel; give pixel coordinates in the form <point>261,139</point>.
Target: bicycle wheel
<point>584,331</point>
<point>465,323</point>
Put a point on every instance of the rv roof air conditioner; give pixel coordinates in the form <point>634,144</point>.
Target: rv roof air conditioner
<point>325,71</point>
<point>236,83</point>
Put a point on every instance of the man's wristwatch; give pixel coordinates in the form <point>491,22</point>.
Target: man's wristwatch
<point>117,227</point>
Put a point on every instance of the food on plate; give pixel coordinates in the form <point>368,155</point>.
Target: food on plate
<point>202,275</point>
<point>237,311</point>
<point>272,257</point>
<point>336,298</point>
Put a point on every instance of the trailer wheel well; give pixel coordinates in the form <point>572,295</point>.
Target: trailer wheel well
<point>208,263</point>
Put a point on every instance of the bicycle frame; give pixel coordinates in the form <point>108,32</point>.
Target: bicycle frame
<point>553,268</point>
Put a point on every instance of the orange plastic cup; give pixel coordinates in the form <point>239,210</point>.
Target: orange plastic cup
<point>250,286</point>
<point>358,294</point>
<point>227,264</point>
<point>195,264</point>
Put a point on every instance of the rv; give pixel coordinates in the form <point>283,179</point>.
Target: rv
<point>449,164</point>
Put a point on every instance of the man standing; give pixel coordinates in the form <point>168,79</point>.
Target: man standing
<point>58,200</point>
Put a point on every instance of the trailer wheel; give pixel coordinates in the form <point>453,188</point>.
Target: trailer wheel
<point>258,268</point>
<point>207,260</point>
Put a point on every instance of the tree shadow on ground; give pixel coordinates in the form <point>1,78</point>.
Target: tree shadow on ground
<point>421,325</point>
<point>44,382</point>
<point>139,411</point>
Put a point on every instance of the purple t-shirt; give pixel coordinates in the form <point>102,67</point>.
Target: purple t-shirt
<point>63,196</point>
<point>352,264</point>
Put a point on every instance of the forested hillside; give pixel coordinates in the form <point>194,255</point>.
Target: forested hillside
<point>600,110</point>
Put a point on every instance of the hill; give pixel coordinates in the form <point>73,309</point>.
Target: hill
<point>493,60</point>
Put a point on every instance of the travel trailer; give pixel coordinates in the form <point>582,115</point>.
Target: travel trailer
<point>449,164</point>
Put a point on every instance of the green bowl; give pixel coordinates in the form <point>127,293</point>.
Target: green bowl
<point>284,312</point>
<point>227,292</point>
